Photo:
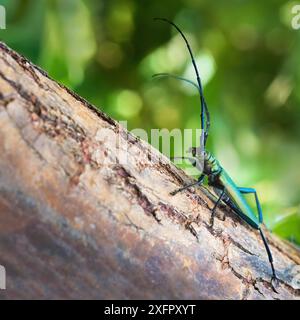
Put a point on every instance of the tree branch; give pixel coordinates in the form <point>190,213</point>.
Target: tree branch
<point>76,221</point>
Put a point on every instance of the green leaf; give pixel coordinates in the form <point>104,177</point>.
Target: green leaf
<point>288,225</point>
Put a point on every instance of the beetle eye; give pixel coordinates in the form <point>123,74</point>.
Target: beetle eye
<point>191,150</point>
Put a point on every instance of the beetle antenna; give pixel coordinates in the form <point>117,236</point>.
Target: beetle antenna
<point>204,133</point>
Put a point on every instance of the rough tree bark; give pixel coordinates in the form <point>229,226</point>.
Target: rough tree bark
<point>77,222</point>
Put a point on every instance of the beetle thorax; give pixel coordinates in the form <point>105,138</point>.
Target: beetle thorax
<point>211,164</point>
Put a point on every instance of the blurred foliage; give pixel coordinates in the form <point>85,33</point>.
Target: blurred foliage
<point>247,54</point>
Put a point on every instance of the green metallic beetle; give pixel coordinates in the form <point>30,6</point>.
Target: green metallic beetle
<point>226,190</point>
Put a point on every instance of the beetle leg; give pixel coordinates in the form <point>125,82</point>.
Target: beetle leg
<point>258,206</point>
<point>274,277</point>
<point>197,183</point>
<point>213,211</point>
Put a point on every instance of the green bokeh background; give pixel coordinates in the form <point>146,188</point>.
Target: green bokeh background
<point>248,56</point>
